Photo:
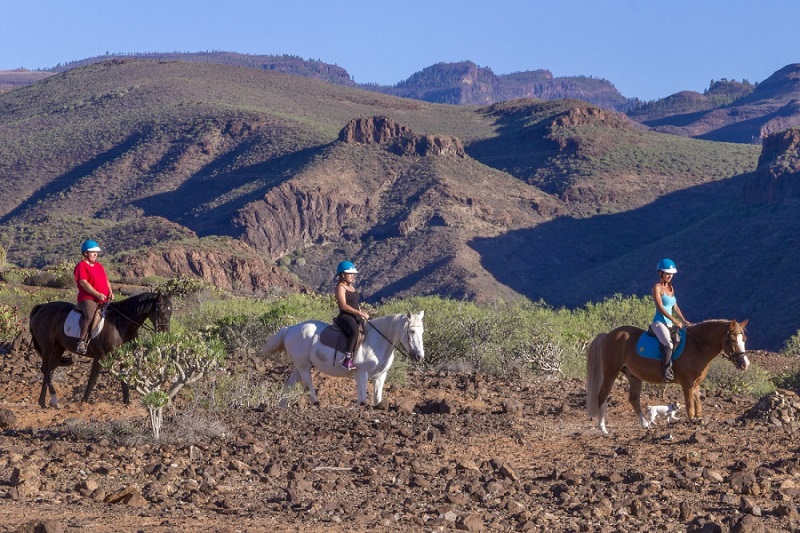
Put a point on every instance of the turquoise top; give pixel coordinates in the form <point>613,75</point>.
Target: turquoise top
<point>668,302</point>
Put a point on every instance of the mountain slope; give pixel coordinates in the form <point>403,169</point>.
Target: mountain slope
<point>771,107</point>
<point>225,171</point>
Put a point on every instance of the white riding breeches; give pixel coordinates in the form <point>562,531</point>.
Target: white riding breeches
<point>662,333</point>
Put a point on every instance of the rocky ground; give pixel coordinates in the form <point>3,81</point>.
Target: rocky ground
<point>448,451</point>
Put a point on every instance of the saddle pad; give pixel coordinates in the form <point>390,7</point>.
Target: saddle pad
<point>334,337</point>
<point>72,325</point>
<point>648,346</point>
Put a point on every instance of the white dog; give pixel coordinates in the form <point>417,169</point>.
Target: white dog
<point>664,410</point>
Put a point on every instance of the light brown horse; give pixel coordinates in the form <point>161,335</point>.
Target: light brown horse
<point>615,352</point>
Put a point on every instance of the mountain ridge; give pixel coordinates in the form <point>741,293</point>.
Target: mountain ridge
<point>716,114</point>
<point>172,163</point>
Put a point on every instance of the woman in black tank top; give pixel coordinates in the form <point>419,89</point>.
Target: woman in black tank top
<point>350,315</point>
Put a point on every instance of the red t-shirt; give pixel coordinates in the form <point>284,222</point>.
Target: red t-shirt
<point>96,276</point>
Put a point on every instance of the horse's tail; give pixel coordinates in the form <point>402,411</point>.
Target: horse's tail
<point>274,344</point>
<point>34,310</point>
<point>594,374</point>
<point>30,328</point>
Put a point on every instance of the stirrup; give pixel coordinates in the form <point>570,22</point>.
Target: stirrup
<point>668,374</point>
<point>81,348</point>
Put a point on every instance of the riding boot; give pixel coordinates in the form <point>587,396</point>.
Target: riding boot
<point>347,362</point>
<point>81,349</point>
<point>666,362</point>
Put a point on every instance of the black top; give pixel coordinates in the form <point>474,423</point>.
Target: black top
<point>351,298</point>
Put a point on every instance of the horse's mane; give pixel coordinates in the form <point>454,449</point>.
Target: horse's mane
<point>711,322</point>
<point>135,305</point>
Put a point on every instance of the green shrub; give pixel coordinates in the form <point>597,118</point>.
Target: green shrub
<point>164,359</point>
<point>725,376</point>
<point>242,390</point>
<point>10,323</point>
<point>792,345</point>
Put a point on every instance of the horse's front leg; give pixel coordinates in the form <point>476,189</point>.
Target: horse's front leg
<point>377,385</point>
<point>698,406</point>
<point>635,398</point>
<point>692,398</point>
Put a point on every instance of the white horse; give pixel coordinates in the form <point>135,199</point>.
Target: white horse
<point>373,358</point>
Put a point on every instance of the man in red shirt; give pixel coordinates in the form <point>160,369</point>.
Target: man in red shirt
<point>93,289</point>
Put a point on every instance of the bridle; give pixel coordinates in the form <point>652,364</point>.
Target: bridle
<point>729,352</point>
<point>400,348</point>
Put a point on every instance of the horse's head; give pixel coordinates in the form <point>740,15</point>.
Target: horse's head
<point>413,337</point>
<point>162,312</point>
<point>734,350</point>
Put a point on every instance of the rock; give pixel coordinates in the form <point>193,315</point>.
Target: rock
<point>472,522</point>
<point>130,496</point>
<point>7,418</point>
<point>712,476</point>
<point>748,524</point>
<point>513,408</point>
<point>26,481</point>
<point>41,526</point>
<point>372,130</point>
<point>742,482</point>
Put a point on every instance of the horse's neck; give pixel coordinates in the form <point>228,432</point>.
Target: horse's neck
<point>388,327</point>
<point>710,337</point>
<point>130,316</point>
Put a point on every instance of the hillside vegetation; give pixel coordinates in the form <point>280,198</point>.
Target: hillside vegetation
<point>169,163</point>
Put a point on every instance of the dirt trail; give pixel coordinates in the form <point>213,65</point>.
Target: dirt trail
<point>448,451</point>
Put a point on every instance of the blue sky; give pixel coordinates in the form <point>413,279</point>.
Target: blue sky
<point>647,48</point>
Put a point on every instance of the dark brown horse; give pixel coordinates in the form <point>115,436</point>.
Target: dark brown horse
<point>122,322</point>
<point>615,352</point>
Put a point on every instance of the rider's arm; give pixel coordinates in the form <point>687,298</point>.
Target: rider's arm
<point>85,285</point>
<point>341,300</point>
<point>677,310</point>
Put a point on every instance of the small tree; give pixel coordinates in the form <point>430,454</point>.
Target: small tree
<point>151,363</point>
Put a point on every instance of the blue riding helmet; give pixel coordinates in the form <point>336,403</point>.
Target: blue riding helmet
<point>90,246</point>
<point>667,266</point>
<point>346,267</point>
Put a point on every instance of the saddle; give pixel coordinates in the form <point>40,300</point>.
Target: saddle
<point>72,325</point>
<point>648,345</point>
<point>333,337</point>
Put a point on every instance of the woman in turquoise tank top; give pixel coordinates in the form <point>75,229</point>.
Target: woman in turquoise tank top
<point>668,315</point>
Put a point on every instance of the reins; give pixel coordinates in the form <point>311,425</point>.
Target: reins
<point>142,324</point>
<point>728,343</point>
<point>398,348</point>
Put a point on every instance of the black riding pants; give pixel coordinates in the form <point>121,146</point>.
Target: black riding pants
<point>349,325</point>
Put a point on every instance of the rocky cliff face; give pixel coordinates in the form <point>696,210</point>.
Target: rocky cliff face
<point>238,269</point>
<point>777,177</point>
<point>336,208</point>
